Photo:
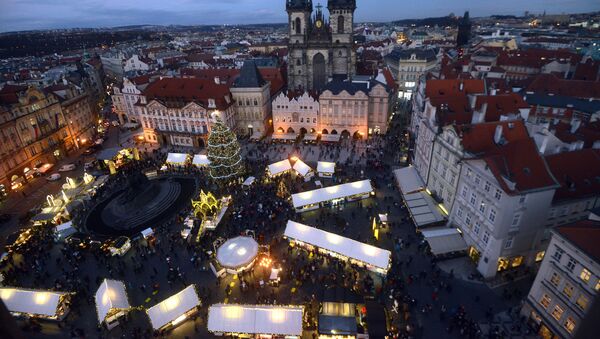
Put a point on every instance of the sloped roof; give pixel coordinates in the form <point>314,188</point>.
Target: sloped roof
<point>479,138</point>
<point>249,77</point>
<point>9,94</point>
<point>588,133</point>
<point>550,84</point>
<point>178,92</point>
<point>585,235</point>
<point>501,104</point>
<point>577,172</point>
<point>451,87</point>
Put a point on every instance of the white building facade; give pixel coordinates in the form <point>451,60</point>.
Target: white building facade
<point>296,113</point>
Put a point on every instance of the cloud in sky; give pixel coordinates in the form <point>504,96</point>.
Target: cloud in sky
<point>34,14</point>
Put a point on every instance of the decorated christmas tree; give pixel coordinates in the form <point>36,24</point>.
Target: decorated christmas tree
<point>282,190</point>
<point>224,153</point>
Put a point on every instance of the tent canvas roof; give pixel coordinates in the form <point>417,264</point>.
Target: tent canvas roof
<point>350,248</point>
<point>176,158</point>
<point>110,295</point>
<point>325,167</point>
<point>31,301</point>
<point>201,160</point>
<point>408,179</point>
<point>423,208</point>
<point>278,136</point>
<point>280,167</point>
<point>302,168</point>
<point>65,226</point>
<point>173,307</point>
<point>330,193</point>
<point>330,137</point>
<point>249,181</point>
<point>254,319</point>
<point>444,240</point>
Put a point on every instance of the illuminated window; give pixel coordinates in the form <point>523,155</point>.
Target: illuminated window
<point>585,275</point>
<point>557,313</point>
<point>545,301</point>
<point>582,302</point>
<point>598,285</point>
<point>568,290</point>
<point>570,324</point>
<point>555,280</point>
<point>539,256</point>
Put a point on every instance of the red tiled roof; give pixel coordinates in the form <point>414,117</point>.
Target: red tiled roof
<point>588,133</point>
<point>501,104</point>
<point>550,84</point>
<point>578,173</point>
<point>479,138</point>
<point>519,162</point>
<point>9,94</point>
<point>585,235</point>
<point>179,92</point>
<point>590,70</point>
<point>452,110</point>
<point>452,87</point>
<point>229,75</point>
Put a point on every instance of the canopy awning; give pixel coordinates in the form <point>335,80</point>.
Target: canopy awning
<point>277,136</point>
<point>64,230</point>
<point>311,137</point>
<point>35,302</point>
<point>108,153</point>
<point>326,167</point>
<point>200,160</point>
<point>279,167</point>
<point>110,295</point>
<point>331,193</point>
<point>302,168</point>
<point>256,135</point>
<point>249,181</point>
<point>147,232</point>
<point>423,209</point>
<point>444,240</point>
<point>347,247</point>
<point>408,180</point>
<point>174,307</point>
<point>43,217</point>
<point>177,158</point>
<point>256,319</point>
<point>330,137</point>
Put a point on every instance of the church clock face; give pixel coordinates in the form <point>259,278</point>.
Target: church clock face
<point>319,23</point>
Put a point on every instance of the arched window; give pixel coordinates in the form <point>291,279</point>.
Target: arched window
<point>341,24</point>
<point>298,62</point>
<point>298,26</point>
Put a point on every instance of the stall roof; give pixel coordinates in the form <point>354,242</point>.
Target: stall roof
<point>330,137</point>
<point>147,232</point>
<point>423,209</point>
<point>64,227</point>
<point>302,168</point>
<point>236,252</point>
<point>110,295</point>
<point>277,136</point>
<point>326,167</point>
<point>408,180</point>
<point>350,248</point>
<point>173,307</point>
<point>332,192</point>
<point>255,319</point>
<point>280,167</point>
<point>200,160</point>
<point>444,240</point>
<point>176,158</point>
<point>38,302</point>
<point>43,217</point>
<point>108,153</point>
<point>311,137</point>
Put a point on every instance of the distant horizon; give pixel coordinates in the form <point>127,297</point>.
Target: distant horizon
<point>30,15</point>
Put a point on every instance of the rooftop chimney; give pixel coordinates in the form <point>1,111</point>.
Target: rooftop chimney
<point>217,80</point>
<point>498,134</point>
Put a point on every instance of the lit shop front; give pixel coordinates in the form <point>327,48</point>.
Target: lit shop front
<point>36,303</point>
<point>370,257</point>
<point>111,303</point>
<point>333,195</point>
<point>256,321</point>
<point>174,310</point>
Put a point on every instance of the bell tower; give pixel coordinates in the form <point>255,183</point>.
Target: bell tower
<point>299,12</point>
<point>341,18</point>
<point>299,18</point>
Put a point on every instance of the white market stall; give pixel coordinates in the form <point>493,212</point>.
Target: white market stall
<point>314,199</point>
<point>249,181</point>
<point>256,320</point>
<point>330,137</point>
<point>373,258</point>
<point>62,231</point>
<point>147,233</point>
<point>408,180</point>
<point>237,254</point>
<point>177,159</point>
<point>35,303</point>
<point>423,209</point>
<point>303,169</point>
<point>443,240</point>
<point>175,309</point>
<point>325,169</point>
<point>200,160</point>
<point>279,168</point>
<point>111,302</point>
<point>284,137</point>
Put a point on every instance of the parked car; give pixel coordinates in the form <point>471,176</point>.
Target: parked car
<point>53,177</point>
<point>67,167</point>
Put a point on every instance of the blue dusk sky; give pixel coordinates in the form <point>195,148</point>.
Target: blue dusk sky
<point>18,15</point>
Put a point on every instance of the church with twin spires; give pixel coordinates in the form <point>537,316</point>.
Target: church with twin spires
<point>320,48</point>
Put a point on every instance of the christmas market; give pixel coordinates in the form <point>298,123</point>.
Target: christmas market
<point>326,169</point>
<point>174,310</point>
<point>36,303</point>
<point>263,321</point>
<point>279,168</point>
<point>238,254</point>
<point>111,303</point>
<point>332,195</point>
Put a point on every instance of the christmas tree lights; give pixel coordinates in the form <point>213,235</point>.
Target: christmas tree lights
<point>224,153</point>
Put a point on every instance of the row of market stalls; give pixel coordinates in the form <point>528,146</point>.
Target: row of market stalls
<point>331,196</point>
<point>428,216</point>
<point>245,320</point>
<point>184,159</point>
<point>290,137</point>
<point>324,169</point>
<point>373,258</point>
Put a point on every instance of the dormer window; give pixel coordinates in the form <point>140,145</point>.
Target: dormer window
<point>211,103</point>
